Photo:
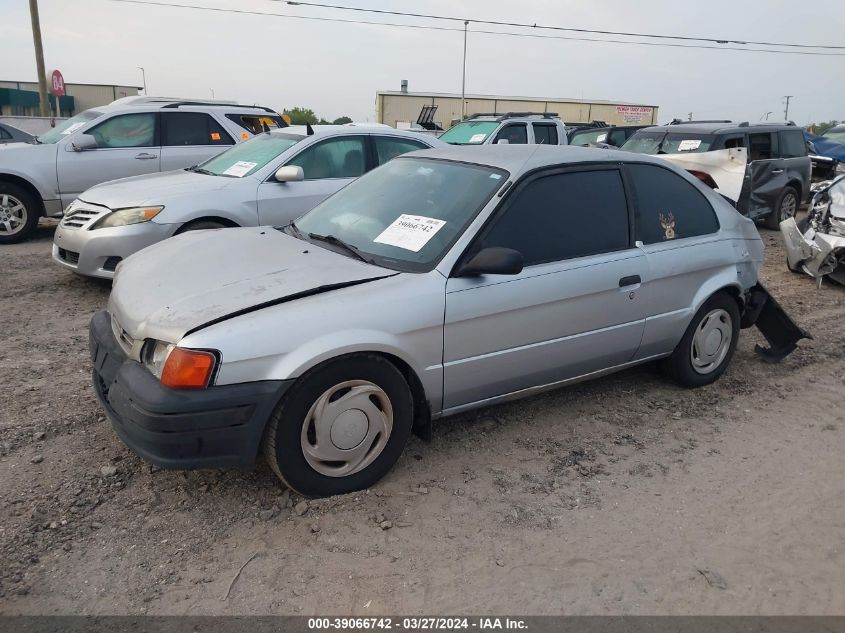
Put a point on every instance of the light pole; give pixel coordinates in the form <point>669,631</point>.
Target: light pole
<point>464,76</point>
<point>43,104</point>
<point>144,77</point>
<point>765,116</point>
<point>212,92</point>
<point>786,109</point>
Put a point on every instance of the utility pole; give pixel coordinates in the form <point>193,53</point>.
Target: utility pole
<point>464,77</point>
<point>44,105</point>
<point>786,109</point>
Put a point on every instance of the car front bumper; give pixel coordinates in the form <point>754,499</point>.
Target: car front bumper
<point>218,427</point>
<point>96,253</point>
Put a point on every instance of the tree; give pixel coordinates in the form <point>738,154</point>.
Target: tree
<point>342,120</point>
<point>821,128</point>
<point>301,116</point>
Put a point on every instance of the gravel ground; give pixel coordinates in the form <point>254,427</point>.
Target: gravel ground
<point>626,495</point>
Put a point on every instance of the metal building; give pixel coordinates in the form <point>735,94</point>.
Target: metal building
<point>401,108</point>
<point>20,98</point>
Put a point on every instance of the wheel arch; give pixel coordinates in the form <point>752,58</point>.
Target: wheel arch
<point>207,218</point>
<point>31,189</point>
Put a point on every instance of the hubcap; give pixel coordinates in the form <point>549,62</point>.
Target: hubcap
<point>788,207</point>
<point>12,214</point>
<point>347,428</point>
<point>711,341</point>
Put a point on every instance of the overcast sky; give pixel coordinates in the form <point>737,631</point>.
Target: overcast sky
<point>336,69</point>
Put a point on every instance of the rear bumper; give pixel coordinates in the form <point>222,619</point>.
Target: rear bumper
<point>218,427</point>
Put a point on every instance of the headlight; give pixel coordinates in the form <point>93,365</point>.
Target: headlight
<point>179,367</point>
<point>123,217</point>
<point>155,354</point>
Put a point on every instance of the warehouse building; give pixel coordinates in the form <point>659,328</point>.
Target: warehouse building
<point>401,108</point>
<point>20,98</point>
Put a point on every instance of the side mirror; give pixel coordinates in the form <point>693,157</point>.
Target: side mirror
<point>502,141</point>
<point>290,173</point>
<point>83,142</point>
<point>494,260</point>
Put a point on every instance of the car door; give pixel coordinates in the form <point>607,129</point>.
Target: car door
<point>513,133</point>
<point>793,152</point>
<point>329,165</point>
<point>766,175</point>
<point>577,306</point>
<point>678,232</point>
<point>189,138</point>
<point>127,145</point>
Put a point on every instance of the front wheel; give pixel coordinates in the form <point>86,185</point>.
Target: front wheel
<point>708,344</point>
<point>341,427</point>
<point>18,214</point>
<point>786,207</point>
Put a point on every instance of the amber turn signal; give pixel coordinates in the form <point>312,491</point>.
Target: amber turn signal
<point>188,369</point>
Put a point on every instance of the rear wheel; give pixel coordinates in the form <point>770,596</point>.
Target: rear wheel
<point>708,344</point>
<point>19,213</point>
<point>341,427</point>
<point>786,207</point>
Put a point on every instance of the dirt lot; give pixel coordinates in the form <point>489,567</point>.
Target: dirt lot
<point>626,495</point>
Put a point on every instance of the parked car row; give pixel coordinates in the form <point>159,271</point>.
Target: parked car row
<point>131,136</point>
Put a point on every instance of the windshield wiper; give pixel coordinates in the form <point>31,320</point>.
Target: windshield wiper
<point>200,170</point>
<point>336,241</point>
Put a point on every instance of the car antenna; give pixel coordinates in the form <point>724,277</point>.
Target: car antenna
<point>309,130</point>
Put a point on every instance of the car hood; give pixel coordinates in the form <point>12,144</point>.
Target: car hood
<point>155,188</point>
<point>14,151</point>
<point>201,277</point>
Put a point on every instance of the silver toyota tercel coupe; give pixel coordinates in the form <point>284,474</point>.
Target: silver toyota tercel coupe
<point>442,281</point>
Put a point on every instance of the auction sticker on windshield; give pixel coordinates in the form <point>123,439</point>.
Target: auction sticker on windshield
<point>239,169</point>
<point>72,128</point>
<point>410,232</point>
<point>688,145</point>
<point>477,138</point>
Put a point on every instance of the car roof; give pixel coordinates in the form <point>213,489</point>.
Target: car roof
<point>154,104</point>
<point>519,158</point>
<point>346,130</point>
<point>719,127</point>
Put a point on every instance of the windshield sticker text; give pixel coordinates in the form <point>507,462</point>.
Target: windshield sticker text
<point>688,145</point>
<point>410,232</point>
<point>477,138</point>
<point>72,128</point>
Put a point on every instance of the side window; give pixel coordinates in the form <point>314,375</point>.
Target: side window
<point>792,144</point>
<point>760,146</point>
<point>255,124</point>
<point>545,134</point>
<point>335,158</point>
<point>388,147</point>
<point>733,142</point>
<point>616,137</point>
<point>192,128</point>
<point>4,134</point>
<point>668,207</point>
<point>126,130</point>
<point>564,216</point>
<point>515,133</point>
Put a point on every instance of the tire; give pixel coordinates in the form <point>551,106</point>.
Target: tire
<point>688,365</point>
<point>786,207</point>
<point>19,213</point>
<point>803,225</point>
<point>376,395</point>
<point>201,225</point>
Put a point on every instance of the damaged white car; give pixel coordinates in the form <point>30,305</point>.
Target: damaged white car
<point>816,244</point>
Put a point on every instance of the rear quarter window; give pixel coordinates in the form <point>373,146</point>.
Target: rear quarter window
<point>792,144</point>
<point>668,207</point>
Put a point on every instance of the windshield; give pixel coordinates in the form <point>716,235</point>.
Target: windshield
<point>248,157</point>
<point>405,214</point>
<point>588,137</point>
<point>671,143</point>
<point>836,134</point>
<point>64,128</point>
<point>469,132</point>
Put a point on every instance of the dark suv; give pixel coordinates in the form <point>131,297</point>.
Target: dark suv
<point>777,179</point>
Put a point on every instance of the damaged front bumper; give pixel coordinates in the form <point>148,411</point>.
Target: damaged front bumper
<point>781,332</point>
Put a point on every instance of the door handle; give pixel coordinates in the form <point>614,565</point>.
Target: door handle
<point>145,156</point>
<point>777,171</point>
<point>630,280</point>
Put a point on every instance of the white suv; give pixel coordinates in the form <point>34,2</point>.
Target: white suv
<point>513,128</point>
<point>128,137</point>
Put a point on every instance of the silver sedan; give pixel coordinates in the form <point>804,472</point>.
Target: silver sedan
<point>444,281</point>
<point>270,179</point>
